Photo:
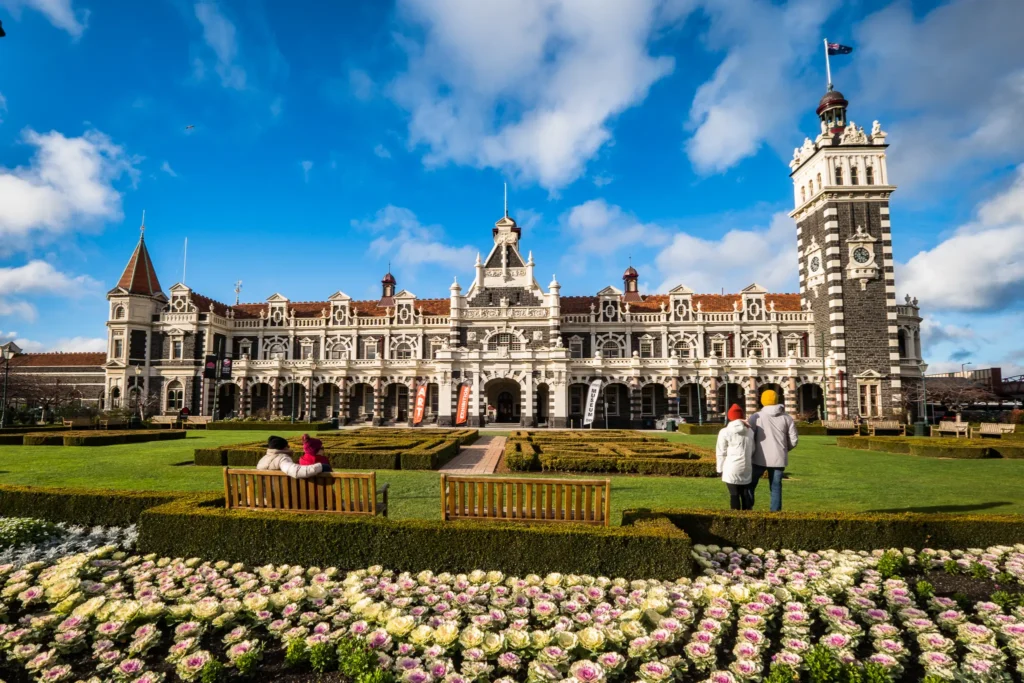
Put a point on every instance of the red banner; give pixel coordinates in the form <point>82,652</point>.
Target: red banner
<point>421,404</point>
<point>462,415</point>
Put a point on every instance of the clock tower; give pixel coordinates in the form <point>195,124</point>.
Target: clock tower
<point>841,194</point>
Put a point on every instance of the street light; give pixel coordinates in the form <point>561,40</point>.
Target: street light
<point>138,390</point>
<point>8,351</point>
<point>700,411</point>
<point>962,366</point>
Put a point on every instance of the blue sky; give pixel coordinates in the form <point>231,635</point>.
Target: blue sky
<point>332,138</point>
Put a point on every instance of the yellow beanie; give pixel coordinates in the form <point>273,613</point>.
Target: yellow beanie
<point>768,398</point>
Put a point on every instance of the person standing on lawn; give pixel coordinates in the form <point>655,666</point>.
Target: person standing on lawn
<point>774,437</point>
<point>734,451</point>
<point>279,457</point>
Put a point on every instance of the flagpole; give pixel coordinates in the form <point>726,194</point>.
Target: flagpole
<point>828,68</point>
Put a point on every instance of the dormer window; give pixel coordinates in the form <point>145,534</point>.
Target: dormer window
<point>853,175</point>
<point>839,175</point>
<point>869,175</point>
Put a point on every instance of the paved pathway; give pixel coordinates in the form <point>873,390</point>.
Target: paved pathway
<point>479,458</point>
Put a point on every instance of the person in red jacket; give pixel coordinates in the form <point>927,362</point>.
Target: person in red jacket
<point>313,453</point>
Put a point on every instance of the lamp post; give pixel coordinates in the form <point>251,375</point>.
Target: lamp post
<point>8,351</point>
<point>962,370</point>
<point>700,411</point>
<point>138,390</point>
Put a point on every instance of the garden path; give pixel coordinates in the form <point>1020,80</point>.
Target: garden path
<point>479,458</point>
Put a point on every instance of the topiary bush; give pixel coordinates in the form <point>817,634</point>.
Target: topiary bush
<point>595,452</point>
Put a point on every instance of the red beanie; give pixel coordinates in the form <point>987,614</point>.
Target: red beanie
<point>735,413</point>
<point>311,446</point>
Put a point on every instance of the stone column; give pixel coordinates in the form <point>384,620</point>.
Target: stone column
<point>378,403</point>
<point>713,399</point>
<point>343,401</point>
<point>411,410</point>
<point>444,403</point>
<point>789,398</point>
<point>527,401</point>
<point>309,399</point>
<point>751,396</point>
<point>672,397</point>
<point>636,420</point>
<point>243,398</point>
<point>276,397</point>
<point>560,415</point>
<point>477,405</point>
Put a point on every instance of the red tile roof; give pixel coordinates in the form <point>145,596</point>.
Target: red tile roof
<point>59,360</point>
<point>139,277</point>
<point>203,304</point>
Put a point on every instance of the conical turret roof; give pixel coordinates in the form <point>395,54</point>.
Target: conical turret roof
<point>139,276</point>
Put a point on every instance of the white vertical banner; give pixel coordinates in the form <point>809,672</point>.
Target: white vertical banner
<point>595,391</point>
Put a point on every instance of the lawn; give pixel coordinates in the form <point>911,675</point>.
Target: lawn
<point>820,477</point>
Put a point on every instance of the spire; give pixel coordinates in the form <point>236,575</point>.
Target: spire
<point>139,276</point>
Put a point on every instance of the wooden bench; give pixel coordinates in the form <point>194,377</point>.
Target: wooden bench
<point>169,420</point>
<point>112,424</point>
<point>197,421</point>
<point>348,493</point>
<point>79,423</point>
<point>957,428</point>
<point>996,429</point>
<point>839,426</point>
<point>580,501</point>
<point>886,426</point>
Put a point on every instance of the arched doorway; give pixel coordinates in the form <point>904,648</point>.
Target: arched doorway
<point>259,399</point>
<point>325,401</point>
<point>693,402</point>
<point>227,401</point>
<point>115,397</point>
<point>396,402</point>
<point>809,401</point>
<point>730,394</point>
<point>503,401</point>
<point>779,394</point>
<point>577,403</point>
<point>541,409</point>
<point>294,403</point>
<point>613,407</point>
<point>360,402</point>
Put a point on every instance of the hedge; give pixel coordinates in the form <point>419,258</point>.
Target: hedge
<point>93,438</point>
<point>963,449</point>
<point>850,531</point>
<point>24,429</point>
<point>804,428</point>
<point>593,454</point>
<point>80,506</point>
<point>11,439</point>
<point>43,440</point>
<point>200,526</point>
<point>257,425</point>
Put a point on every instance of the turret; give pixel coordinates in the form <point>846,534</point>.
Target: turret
<point>387,297</point>
<point>631,292</point>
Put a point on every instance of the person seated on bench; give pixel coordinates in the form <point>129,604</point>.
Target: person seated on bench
<point>313,453</point>
<point>279,457</point>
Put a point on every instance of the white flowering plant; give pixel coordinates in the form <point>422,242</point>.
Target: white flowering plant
<point>752,616</point>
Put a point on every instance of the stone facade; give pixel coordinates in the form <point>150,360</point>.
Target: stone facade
<point>529,354</point>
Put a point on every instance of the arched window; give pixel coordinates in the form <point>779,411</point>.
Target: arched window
<point>902,337</point>
<point>403,351</point>
<point>683,349</point>
<point>819,182</point>
<point>869,175</point>
<point>803,195</point>
<point>610,349</point>
<point>115,397</point>
<point>839,175</point>
<point>277,352</point>
<point>810,188</point>
<point>175,396</point>
<point>853,175</point>
<point>119,313</point>
<point>755,349</point>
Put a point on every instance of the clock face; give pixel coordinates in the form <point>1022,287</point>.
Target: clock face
<point>815,264</point>
<point>861,255</point>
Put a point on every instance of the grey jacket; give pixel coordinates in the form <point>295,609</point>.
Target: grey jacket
<point>282,460</point>
<point>774,436</point>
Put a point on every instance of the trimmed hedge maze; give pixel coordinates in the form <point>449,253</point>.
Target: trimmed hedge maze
<point>360,449</point>
<point>89,438</point>
<point>620,452</point>
<point>929,447</point>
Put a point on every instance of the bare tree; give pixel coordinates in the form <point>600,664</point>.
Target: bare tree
<point>952,393</point>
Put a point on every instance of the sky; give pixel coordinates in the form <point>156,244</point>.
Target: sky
<point>305,147</point>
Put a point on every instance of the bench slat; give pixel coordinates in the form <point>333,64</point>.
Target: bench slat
<point>261,490</point>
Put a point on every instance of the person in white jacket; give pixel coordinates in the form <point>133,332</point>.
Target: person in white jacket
<point>734,452</point>
<point>279,457</point>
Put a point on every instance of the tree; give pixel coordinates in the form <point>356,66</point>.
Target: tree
<point>952,393</point>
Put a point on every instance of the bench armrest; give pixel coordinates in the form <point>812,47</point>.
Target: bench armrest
<point>382,491</point>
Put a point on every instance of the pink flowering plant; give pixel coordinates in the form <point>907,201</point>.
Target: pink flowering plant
<point>749,616</point>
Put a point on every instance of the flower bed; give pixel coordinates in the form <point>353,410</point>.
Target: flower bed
<point>830,616</point>
<point>357,449</point>
<point>588,451</point>
<point>24,540</point>
<point>935,447</point>
<point>91,437</point>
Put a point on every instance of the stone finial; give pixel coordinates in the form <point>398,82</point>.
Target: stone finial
<point>907,299</point>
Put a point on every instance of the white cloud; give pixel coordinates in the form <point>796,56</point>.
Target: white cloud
<point>981,266</point>
<point>755,94</point>
<point>3,106</point>
<point>602,180</point>
<point>409,243</point>
<point>65,344</point>
<point>61,13</point>
<point>166,168</point>
<point>599,229</point>
<point>766,256</point>
<point>529,88</point>
<point>935,332</point>
<point>306,166</point>
<point>37,278</point>
<point>361,85</point>
<point>220,36</point>
<point>70,181</point>
<point>957,90</point>
<point>382,152</point>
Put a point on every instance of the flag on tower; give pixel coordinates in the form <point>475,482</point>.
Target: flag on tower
<point>837,49</point>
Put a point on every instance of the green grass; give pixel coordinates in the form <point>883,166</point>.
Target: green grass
<point>820,477</point>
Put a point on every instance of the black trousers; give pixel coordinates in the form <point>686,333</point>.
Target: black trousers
<point>740,496</point>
